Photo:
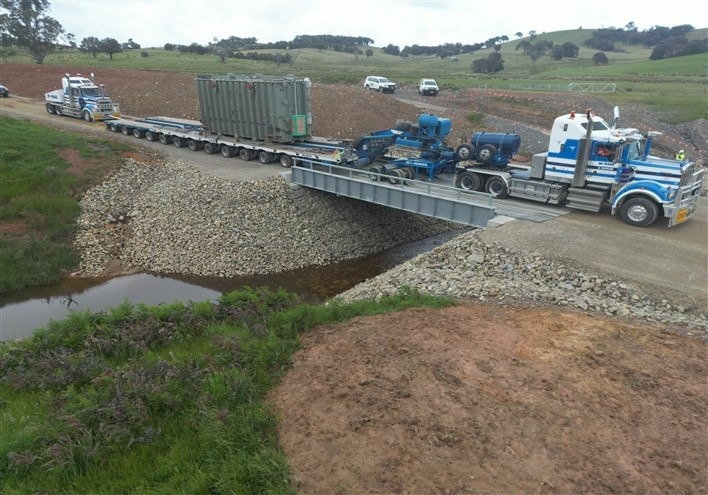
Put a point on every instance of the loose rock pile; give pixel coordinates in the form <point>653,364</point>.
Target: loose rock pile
<point>172,219</point>
<point>468,268</point>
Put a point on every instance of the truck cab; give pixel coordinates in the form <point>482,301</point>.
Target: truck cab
<point>81,97</point>
<point>605,164</point>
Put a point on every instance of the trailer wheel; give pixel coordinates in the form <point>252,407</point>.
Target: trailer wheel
<point>227,151</point>
<point>396,176</point>
<point>151,136</point>
<point>87,116</point>
<point>126,131</point>
<point>374,170</point>
<point>464,151</point>
<point>265,158</point>
<point>179,142</point>
<point>194,145</point>
<point>286,161</point>
<point>469,181</point>
<point>496,187</point>
<point>639,212</point>
<point>245,154</point>
<point>115,127</point>
<point>408,172</point>
<point>138,133</point>
<point>486,153</point>
<point>51,109</point>
<point>211,148</point>
<point>164,139</point>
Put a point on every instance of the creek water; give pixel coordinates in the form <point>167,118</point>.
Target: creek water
<point>21,314</point>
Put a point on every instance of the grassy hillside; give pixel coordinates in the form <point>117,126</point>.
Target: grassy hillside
<point>675,85</point>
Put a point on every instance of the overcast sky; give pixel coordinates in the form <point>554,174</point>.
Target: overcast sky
<point>152,23</point>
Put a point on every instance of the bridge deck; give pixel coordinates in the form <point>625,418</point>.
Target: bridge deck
<point>433,200</point>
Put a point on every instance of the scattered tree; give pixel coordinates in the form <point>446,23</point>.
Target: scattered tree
<point>110,46</point>
<point>26,24</point>
<point>519,34</point>
<point>535,50</point>
<point>131,45</point>
<point>392,50</point>
<point>70,39</point>
<point>90,45</point>
<point>493,63</point>
<point>369,52</point>
<point>566,50</point>
<point>600,58</point>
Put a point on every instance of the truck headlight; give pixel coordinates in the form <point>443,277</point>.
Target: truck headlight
<point>672,193</point>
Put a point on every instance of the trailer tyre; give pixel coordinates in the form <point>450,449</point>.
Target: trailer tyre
<point>138,133</point>
<point>486,153</point>
<point>265,158</point>
<point>286,161</point>
<point>639,212</point>
<point>150,136</point>
<point>227,151</point>
<point>126,131</point>
<point>497,187</point>
<point>396,176</point>
<point>164,139</point>
<point>178,142</point>
<point>115,127</point>
<point>374,170</point>
<point>245,154</point>
<point>469,181</point>
<point>211,148</point>
<point>464,151</point>
<point>51,109</point>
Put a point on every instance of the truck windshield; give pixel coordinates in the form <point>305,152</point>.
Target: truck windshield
<point>635,148</point>
<point>597,125</point>
<point>91,92</point>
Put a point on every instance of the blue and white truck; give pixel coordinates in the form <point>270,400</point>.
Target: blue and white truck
<point>589,164</point>
<point>80,97</point>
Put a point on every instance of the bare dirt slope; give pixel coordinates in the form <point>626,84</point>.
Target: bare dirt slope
<point>480,398</point>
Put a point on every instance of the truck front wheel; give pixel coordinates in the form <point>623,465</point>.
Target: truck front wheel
<point>87,116</point>
<point>639,212</point>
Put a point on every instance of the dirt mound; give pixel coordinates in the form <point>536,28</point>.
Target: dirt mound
<point>483,399</point>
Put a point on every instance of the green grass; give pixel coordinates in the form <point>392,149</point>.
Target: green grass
<point>159,400</point>
<point>39,200</point>
<point>676,85</point>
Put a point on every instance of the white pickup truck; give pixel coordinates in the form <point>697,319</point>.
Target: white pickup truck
<point>428,87</point>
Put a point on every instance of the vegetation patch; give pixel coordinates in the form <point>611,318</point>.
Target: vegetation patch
<point>165,397</point>
<point>39,199</point>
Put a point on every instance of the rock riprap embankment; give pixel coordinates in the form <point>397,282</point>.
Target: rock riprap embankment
<point>468,268</point>
<point>173,219</point>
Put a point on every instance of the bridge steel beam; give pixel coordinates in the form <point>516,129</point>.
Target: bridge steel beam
<point>441,202</point>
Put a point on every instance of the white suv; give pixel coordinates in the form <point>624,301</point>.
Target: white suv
<point>380,84</point>
<point>428,87</point>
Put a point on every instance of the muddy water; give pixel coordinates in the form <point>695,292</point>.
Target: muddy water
<point>23,313</point>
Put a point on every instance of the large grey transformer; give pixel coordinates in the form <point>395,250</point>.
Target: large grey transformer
<point>260,108</point>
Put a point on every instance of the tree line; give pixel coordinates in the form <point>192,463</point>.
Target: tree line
<point>26,24</point>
